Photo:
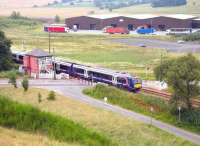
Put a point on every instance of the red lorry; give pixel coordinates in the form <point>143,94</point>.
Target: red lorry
<point>116,30</point>
<point>56,28</point>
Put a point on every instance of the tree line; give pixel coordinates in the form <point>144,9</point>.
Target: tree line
<point>167,3</point>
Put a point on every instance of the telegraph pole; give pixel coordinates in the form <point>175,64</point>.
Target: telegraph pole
<point>54,65</point>
<point>49,42</point>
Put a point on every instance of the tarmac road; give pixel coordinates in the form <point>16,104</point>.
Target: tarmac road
<point>186,47</point>
<point>73,89</point>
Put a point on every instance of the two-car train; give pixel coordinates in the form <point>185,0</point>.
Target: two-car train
<point>101,75</point>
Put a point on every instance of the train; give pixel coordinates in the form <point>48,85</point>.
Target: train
<point>99,75</point>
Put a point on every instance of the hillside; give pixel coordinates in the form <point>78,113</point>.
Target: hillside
<point>192,7</point>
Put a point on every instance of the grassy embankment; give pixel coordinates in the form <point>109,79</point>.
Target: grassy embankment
<point>12,137</point>
<point>140,103</point>
<point>122,130</point>
<point>27,118</point>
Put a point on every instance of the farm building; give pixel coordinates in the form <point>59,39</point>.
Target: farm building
<point>38,64</point>
<point>159,22</point>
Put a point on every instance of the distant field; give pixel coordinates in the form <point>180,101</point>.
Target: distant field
<point>190,8</point>
<point>122,130</point>
<point>22,3</point>
<point>48,12</point>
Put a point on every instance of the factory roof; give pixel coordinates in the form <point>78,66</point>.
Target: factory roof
<point>143,16</point>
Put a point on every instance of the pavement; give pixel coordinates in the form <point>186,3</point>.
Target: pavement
<point>73,89</point>
<point>186,47</point>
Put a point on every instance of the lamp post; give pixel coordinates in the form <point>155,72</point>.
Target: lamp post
<point>54,65</point>
<point>151,109</point>
<point>49,42</point>
<point>179,113</point>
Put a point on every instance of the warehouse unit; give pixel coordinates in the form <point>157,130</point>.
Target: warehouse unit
<point>83,23</point>
<point>159,22</point>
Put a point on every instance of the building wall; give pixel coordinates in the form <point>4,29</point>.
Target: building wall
<point>196,23</point>
<point>31,65</point>
<point>84,22</point>
<point>122,21</point>
<point>163,23</point>
<point>159,23</point>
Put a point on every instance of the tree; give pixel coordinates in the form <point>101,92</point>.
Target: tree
<point>13,78</point>
<point>57,19</point>
<point>166,3</point>
<point>51,96</point>
<point>15,15</point>
<point>25,84</point>
<point>6,62</point>
<point>183,75</point>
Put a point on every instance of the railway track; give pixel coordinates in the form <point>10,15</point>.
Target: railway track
<point>166,96</point>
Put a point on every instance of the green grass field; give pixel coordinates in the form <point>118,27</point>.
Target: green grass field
<point>122,130</point>
<point>88,49</point>
<point>96,50</point>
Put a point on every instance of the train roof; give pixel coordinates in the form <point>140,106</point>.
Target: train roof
<point>103,70</point>
<point>96,69</point>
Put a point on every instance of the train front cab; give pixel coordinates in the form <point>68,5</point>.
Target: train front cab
<point>134,84</point>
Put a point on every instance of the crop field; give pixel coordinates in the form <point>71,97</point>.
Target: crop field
<point>121,130</point>
<point>191,8</point>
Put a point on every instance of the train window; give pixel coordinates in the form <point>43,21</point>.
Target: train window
<point>121,80</point>
<point>64,67</point>
<point>78,70</point>
<point>21,57</point>
<point>100,75</point>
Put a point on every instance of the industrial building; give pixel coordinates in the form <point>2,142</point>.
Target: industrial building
<point>132,22</point>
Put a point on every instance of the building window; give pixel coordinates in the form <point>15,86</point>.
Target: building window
<point>130,27</point>
<point>113,25</point>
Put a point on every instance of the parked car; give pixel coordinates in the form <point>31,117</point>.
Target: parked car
<point>116,30</point>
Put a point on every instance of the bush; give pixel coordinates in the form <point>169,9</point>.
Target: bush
<point>51,96</point>
<point>13,78</point>
<point>39,98</point>
<point>25,84</point>
<point>28,118</point>
<point>192,37</point>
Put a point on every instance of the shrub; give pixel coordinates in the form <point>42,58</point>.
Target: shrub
<point>51,96</point>
<point>13,78</point>
<point>28,118</point>
<point>25,84</point>
<point>192,37</point>
<point>39,98</point>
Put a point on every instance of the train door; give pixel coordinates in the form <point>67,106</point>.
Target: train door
<point>114,80</point>
<point>86,74</point>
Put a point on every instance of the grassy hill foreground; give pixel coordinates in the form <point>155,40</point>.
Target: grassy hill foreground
<point>12,137</point>
<point>122,130</point>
